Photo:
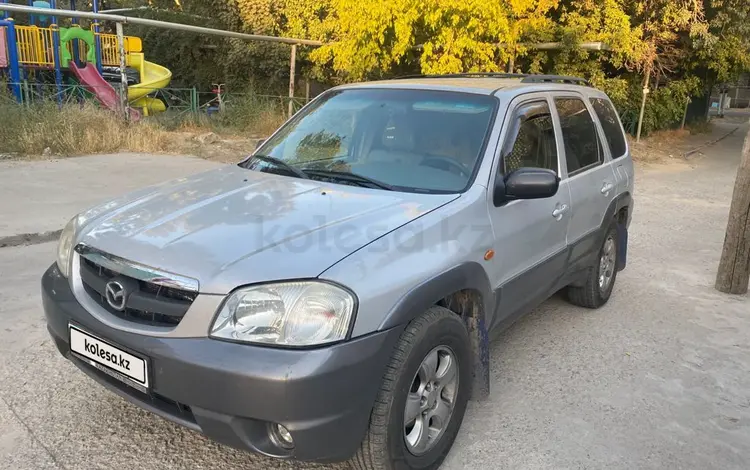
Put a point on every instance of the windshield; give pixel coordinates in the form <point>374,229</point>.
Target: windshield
<point>405,140</point>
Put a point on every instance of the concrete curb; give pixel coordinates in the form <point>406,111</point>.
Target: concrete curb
<point>29,238</point>
<point>708,144</point>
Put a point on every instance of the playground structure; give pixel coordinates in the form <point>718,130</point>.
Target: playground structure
<point>128,50</point>
<point>80,55</point>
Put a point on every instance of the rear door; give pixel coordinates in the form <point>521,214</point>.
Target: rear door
<point>529,235</point>
<point>614,136</point>
<point>591,178</point>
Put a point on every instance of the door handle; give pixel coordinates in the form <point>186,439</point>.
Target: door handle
<point>559,211</point>
<point>607,187</point>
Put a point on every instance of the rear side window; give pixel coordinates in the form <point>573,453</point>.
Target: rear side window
<point>612,130</point>
<point>580,138</point>
<point>531,141</point>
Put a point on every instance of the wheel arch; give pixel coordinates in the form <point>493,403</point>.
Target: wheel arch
<point>620,211</point>
<point>465,290</point>
<point>619,207</point>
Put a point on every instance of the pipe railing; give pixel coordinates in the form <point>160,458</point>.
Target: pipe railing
<point>155,23</point>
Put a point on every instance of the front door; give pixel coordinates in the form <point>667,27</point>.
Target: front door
<point>529,235</point>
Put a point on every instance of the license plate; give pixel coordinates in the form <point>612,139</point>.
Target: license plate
<point>108,358</point>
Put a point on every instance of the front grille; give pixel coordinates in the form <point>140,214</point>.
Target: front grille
<point>146,303</point>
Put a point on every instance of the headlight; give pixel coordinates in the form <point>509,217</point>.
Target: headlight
<point>286,314</point>
<point>65,246</point>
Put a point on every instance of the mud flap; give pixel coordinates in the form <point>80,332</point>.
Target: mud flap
<point>622,246</point>
<point>480,350</point>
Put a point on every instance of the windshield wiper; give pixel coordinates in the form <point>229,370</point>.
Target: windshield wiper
<point>281,164</point>
<point>352,177</point>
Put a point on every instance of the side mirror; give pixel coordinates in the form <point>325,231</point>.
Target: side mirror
<point>526,183</point>
<point>259,143</point>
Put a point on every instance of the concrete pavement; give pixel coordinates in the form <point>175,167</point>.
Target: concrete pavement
<point>41,196</point>
<point>658,378</point>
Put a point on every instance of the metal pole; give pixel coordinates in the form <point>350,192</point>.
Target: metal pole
<point>156,24</point>
<point>74,44</point>
<point>553,46</point>
<point>5,13</point>
<point>684,114</point>
<point>32,19</point>
<point>292,64</point>
<point>118,10</point>
<point>26,94</point>
<point>56,45</point>
<point>123,75</point>
<point>97,39</point>
<point>643,105</point>
<point>15,72</point>
<point>220,96</point>
<point>307,90</point>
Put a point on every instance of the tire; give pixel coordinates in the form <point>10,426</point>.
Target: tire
<point>591,295</point>
<point>385,444</point>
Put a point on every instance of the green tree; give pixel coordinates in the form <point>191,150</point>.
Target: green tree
<point>725,48</point>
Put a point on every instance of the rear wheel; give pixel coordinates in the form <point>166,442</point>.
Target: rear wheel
<point>600,278</point>
<point>423,398</point>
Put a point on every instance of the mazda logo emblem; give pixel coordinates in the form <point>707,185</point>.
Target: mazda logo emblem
<point>115,295</point>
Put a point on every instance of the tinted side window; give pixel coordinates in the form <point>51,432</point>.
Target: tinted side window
<point>612,130</point>
<point>531,140</point>
<point>579,134</point>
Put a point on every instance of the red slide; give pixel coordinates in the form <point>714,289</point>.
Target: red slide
<point>93,81</point>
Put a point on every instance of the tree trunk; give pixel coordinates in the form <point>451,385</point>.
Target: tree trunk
<point>734,268</point>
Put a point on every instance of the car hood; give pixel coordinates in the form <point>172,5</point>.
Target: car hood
<point>231,227</point>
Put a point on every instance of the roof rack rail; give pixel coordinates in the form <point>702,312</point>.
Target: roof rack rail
<point>555,78</point>
<point>467,75</point>
<point>525,77</point>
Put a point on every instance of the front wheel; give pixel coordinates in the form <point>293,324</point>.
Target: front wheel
<point>422,401</point>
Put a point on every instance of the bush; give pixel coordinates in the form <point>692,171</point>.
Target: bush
<point>664,106</point>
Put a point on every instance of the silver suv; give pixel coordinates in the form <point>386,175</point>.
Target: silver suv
<point>332,296</point>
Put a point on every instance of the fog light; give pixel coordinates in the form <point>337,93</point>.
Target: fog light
<point>281,436</point>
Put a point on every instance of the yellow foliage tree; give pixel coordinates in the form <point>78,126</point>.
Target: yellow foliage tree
<point>365,39</point>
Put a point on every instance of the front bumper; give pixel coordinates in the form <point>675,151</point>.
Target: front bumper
<point>233,392</point>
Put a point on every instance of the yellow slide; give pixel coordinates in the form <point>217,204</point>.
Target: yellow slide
<point>153,78</point>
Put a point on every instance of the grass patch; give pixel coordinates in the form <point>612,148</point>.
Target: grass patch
<point>250,115</point>
<point>76,129</point>
<point>79,129</point>
<point>700,127</point>
<point>245,115</point>
<point>73,130</point>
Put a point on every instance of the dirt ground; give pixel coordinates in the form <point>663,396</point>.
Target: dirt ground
<point>691,142</point>
<point>212,147</point>
<point>658,378</point>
